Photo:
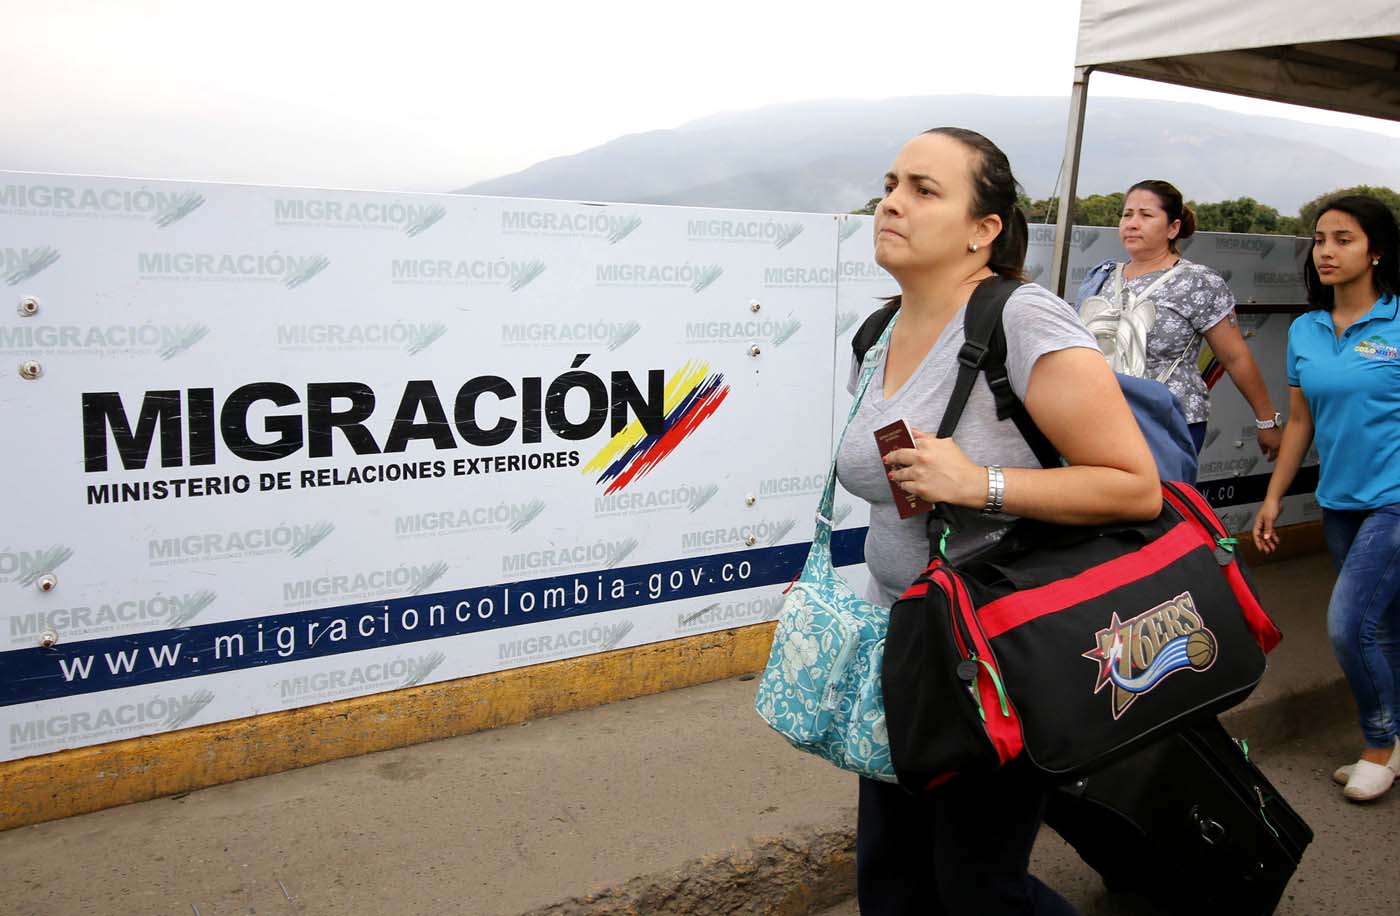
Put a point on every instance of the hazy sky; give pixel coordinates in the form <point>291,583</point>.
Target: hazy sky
<point>421,95</point>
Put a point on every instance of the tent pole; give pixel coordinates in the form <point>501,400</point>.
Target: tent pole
<point>1074,140</point>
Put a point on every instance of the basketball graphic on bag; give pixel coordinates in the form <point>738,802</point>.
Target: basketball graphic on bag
<point>1200,649</point>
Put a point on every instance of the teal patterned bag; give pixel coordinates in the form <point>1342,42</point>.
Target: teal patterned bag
<point>821,689</point>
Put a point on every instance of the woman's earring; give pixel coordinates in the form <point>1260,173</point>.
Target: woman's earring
<point>972,247</point>
<point>1375,262</point>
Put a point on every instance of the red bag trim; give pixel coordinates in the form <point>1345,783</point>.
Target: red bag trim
<point>1022,607</point>
<point>1172,497</point>
<point>939,780</point>
<point>1003,731</point>
<point>1255,617</point>
<point>1260,625</point>
<point>1191,494</point>
<point>917,590</point>
<point>949,583</point>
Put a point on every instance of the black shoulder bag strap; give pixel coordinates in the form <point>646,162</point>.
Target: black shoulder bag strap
<point>984,351</point>
<point>871,329</point>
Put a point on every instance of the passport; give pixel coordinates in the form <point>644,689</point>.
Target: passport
<point>887,439</point>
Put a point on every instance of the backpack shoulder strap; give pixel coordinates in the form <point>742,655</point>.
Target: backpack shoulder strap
<point>1094,280</point>
<point>984,351</point>
<point>871,329</point>
<point>1166,275</point>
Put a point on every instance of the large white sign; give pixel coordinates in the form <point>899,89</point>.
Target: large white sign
<point>268,448</point>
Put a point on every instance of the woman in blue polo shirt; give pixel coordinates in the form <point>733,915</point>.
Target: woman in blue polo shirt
<point>1344,393</point>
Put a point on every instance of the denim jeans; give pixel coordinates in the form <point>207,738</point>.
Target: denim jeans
<point>960,850</point>
<point>1363,618</point>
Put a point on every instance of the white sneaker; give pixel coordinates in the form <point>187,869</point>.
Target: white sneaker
<point>1368,780</point>
<point>1342,775</point>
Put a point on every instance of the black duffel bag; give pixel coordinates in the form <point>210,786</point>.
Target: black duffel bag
<point>1071,644</point>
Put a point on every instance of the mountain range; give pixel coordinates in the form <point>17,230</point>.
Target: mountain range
<point>829,156</point>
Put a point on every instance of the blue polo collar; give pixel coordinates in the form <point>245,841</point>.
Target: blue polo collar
<point>1387,307</point>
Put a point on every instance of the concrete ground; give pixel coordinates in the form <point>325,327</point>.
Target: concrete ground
<point>678,803</point>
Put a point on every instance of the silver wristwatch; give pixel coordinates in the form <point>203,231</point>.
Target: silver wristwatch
<point>1276,422</point>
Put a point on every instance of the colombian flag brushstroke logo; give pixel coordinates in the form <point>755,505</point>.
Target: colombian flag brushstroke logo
<point>1211,370</point>
<point>691,396</point>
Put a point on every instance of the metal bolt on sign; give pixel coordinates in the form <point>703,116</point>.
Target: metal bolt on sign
<point>750,499</point>
<point>28,307</point>
<point>754,305</point>
<point>751,540</point>
<point>29,369</point>
<point>48,639</point>
<point>47,582</point>
<point>754,350</point>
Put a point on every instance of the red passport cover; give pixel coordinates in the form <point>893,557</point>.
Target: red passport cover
<point>887,439</point>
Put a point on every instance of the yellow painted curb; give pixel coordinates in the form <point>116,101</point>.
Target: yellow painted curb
<point>65,783</point>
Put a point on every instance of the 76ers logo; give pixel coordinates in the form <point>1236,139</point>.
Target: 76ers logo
<point>1138,654</point>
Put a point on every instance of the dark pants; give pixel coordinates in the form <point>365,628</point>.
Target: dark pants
<point>960,850</point>
<point>1198,434</point>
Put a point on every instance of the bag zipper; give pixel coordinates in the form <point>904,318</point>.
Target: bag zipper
<point>961,634</point>
<point>831,696</point>
<point>1264,800</point>
<point>991,669</point>
<point>996,682</point>
<point>968,668</point>
<point>1224,544</point>
<point>1265,632</point>
<point>1209,524</point>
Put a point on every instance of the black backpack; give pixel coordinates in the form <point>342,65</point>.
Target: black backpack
<point>983,352</point>
<point>1158,413</point>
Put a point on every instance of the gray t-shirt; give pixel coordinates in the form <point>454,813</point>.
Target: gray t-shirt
<point>896,549</point>
<point>1192,302</point>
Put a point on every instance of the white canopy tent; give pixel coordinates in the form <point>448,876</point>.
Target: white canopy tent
<point>1342,56</point>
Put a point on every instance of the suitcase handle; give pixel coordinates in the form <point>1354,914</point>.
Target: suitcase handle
<point>1212,831</point>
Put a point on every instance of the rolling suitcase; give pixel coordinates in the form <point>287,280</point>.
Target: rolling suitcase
<point>1189,822</point>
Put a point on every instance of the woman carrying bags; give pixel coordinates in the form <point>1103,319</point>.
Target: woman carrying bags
<point>1344,394</point>
<point>947,221</point>
<point>1151,313</point>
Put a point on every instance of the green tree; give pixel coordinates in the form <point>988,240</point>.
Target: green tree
<point>1099,209</point>
<point>1094,210</point>
<point>1307,216</point>
<point>1041,211</point>
<point>1244,214</point>
<point>869,208</point>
